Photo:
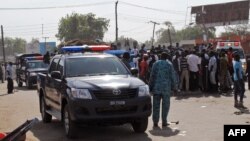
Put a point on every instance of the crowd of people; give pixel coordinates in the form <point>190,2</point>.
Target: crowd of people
<point>167,69</point>
<point>202,69</point>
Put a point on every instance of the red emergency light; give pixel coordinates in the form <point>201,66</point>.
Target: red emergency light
<point>222,44</point>
<point>99,47</point>
<point>236,44</point>
<point>34,58</point>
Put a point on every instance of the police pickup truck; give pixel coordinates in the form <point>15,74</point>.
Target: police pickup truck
<point>28,65</point>
<point>92,88</point>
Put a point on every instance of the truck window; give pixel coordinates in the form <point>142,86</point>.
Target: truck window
<point>91,66</point>
<point>53,65</point>
<point>61,66</point>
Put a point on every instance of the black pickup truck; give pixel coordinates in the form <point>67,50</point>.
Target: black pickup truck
<point>92,89</point>
<point>28,65</point>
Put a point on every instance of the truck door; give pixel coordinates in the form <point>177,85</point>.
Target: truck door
<point>22,72</point>
<point>50,85</point>
<point>57,85</point>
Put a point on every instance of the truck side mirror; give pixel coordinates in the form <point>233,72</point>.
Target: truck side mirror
<point>134,71</point>
<point>56,74</point>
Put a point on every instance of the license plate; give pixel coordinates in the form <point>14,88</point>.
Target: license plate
<point>117,102</point>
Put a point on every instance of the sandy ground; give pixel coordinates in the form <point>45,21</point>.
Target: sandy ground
<point>201,117</point>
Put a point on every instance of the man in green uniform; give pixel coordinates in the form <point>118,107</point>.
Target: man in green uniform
<point>162,80</point>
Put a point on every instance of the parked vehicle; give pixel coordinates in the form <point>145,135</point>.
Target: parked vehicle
<point>92,88</point>
<point>28,68</point>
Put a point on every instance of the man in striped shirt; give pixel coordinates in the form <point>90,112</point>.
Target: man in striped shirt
<point>184,71</point>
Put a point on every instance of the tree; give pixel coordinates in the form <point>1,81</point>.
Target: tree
<point>188,33</point>
<point>79,26</point>
<point>14,45</point>
<point>240,30</point>
<point>194,32</point>
<point>163,34</point>
<point>127,42</point>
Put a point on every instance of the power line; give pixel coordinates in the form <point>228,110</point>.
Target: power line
<point>154,9</point>
<point>56,7</point>
<point>34,25</point>
<point>31,28</point>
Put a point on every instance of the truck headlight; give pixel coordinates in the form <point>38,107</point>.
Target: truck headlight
<point>143,91</point>
<point>80,93</point>
<point>32,74</point>
<point>244,66</point>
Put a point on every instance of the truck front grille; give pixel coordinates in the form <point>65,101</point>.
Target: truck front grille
<point>108,94</point>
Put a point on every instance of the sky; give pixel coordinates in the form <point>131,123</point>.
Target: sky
<point>133,21</point>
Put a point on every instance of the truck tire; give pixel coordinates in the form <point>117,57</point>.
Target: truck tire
<point>46,118</point>
<point>69,125</point>
<point>28,84</point>
<point>141,125</point>
<point>19,83</point>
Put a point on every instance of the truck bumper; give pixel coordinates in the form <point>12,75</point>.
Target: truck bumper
<point>121,111</point>
<point>32,79</point>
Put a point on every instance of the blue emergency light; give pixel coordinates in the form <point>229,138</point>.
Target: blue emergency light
<point>72,49</point>
<point>117,53</point>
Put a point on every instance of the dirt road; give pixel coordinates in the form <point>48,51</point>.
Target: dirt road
<point>201,118</point>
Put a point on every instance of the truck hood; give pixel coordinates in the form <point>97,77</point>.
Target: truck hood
<point>37,70</point>
<point>104,82</point>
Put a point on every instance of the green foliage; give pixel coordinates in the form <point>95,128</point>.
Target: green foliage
<point>240,30</point>
<point>188,33</point>
<point>127,42</point>
<point>79,26</point>
<point>14,45</point>
<point>163,34</point>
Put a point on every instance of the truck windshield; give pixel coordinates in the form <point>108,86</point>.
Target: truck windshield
<point>38,64</point>
<point>91,66</point>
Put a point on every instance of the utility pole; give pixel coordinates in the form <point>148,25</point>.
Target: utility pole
<point>3,44</point>
<point>169,36</point>
<point>116,23</point>
<point>153,31</point>
<point>45,43</point>
<point>42,30</point>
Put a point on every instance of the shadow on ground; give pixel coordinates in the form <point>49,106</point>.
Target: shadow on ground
<point>24,88</point>
<point>55,131</point>
<point>199,94</point>
<point>164,131</point>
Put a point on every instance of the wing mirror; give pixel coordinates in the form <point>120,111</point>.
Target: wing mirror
<point>56,74</point>
<point>134,71</point>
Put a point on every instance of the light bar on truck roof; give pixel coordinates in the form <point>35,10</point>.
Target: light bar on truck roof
<point>33,58</point>
<point>229,44</point>
<point>115,52</point>
<point>72,49</point>
<point>99,47</point>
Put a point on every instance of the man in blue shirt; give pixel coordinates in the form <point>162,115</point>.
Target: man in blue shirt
<point>162,81</point>
<point>239,86</point>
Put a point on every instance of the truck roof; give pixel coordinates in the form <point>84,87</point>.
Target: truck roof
<point>86,54</point>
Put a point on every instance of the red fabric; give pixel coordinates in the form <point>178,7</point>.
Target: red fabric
<point>144,68</point>
<point>230,58</point>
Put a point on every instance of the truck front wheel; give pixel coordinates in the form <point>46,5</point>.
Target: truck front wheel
<point>69,125</point>
<point>28,84</point>
<point>45,116</point>
<point>140,126</point>
<point>20,84</point>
